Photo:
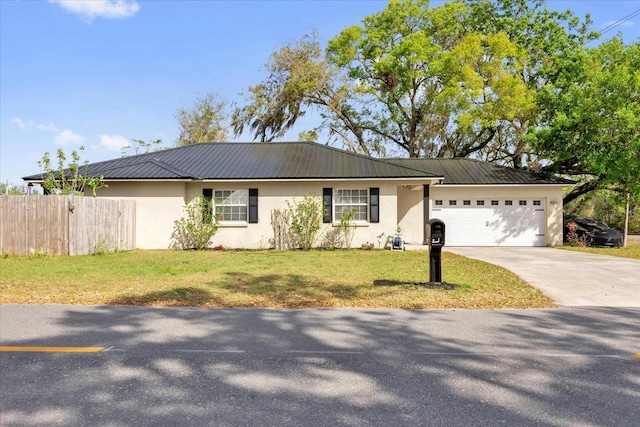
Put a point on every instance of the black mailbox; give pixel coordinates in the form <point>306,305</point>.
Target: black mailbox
<point>435,240</point>
<point>435,233</point>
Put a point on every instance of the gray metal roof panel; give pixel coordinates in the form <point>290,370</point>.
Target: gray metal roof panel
<point>462,171</point>
<point>300,160</point>
<point>260,161</point>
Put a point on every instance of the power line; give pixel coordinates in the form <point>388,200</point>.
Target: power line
<point>620,21</point>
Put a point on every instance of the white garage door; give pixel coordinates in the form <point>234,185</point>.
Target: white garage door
<point>497,222</point>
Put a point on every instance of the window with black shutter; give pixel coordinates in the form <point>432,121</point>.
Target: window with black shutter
<point>327,201</point>
<point>253,205</point>
<point>374,205</point>
<point>207,213</point>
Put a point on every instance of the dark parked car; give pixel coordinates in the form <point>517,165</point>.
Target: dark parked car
<point>591,231</point>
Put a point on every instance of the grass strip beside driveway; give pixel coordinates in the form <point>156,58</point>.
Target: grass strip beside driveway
<point>632,250</point>
<point>278,279</point>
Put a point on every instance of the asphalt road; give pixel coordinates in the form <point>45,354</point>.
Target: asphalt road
<point>320,367</point>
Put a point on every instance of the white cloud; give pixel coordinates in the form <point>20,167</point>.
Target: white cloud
<point>50,127</point>
<point>18,121</point>
<point>113,143</point>
<point>68,137</point>
<point>91,9</point>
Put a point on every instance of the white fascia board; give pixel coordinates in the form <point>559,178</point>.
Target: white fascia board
<point>40,181</point>
<point>502,185</point>
<point>418,180</point>
<point>430,180</point>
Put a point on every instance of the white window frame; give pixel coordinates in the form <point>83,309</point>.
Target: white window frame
<point>220,201</point>
<point>337,203</point>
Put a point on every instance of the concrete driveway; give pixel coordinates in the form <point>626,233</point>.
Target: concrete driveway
<point>570,278</point>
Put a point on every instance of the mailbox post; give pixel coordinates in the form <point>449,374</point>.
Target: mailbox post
<point>435,239</point>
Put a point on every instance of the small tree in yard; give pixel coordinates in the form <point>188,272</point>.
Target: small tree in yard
<point>347,226</point>
<point>70,180</point>
<point>306,219</point>
<point>197,227</point>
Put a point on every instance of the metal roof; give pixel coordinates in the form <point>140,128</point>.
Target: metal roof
<point>255,161</point>
<point>298,161</point>
<point>463,171</point>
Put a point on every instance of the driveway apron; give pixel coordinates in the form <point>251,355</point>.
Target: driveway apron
<point>570,278</point>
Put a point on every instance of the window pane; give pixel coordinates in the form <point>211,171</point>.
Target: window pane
<point>232,204</point>
<point>238,197</point>
<point>347,199</point>
<point>361,214</point>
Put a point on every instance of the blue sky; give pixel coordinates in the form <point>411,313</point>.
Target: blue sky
<point>99,73</point>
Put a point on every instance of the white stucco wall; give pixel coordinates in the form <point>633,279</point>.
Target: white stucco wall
<point>274,195</point>
<point>410,213</point>
<point>158,205</point>
<point>549,194</point>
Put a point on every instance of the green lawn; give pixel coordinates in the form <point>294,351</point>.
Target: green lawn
<point>293,279</point>
<point>631,251</point>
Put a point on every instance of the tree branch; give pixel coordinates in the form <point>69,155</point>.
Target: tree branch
<point>582,189</point>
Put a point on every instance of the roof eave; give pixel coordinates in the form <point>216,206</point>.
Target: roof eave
<point>529,184</point>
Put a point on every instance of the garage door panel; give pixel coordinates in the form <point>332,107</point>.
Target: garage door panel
<point>465,226</point>
<point>522,226</point>
<point>493,225</point>
<point>515,226</point>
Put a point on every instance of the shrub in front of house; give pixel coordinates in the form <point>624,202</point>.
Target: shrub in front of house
<point>306,219</point>
<point>196,228</point>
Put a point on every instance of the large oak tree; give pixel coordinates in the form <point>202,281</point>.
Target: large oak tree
<point>505,80</point>
<point>591,123</point>
<point>455,80</point>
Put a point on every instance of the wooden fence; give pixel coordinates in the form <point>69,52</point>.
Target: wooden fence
<point>65,225</point>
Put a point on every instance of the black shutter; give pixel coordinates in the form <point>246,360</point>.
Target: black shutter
<point>374,204</point>
<point>327,201</point>
<point>207,212</point>
<point>253,205</point>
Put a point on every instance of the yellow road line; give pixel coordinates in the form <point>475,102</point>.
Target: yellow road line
<point>51,349</point>
<point>637,355</point>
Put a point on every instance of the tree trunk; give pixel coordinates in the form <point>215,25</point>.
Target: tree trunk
<point>626,222</point>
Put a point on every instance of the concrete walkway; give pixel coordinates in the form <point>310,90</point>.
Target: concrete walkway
<point>570,278</point>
